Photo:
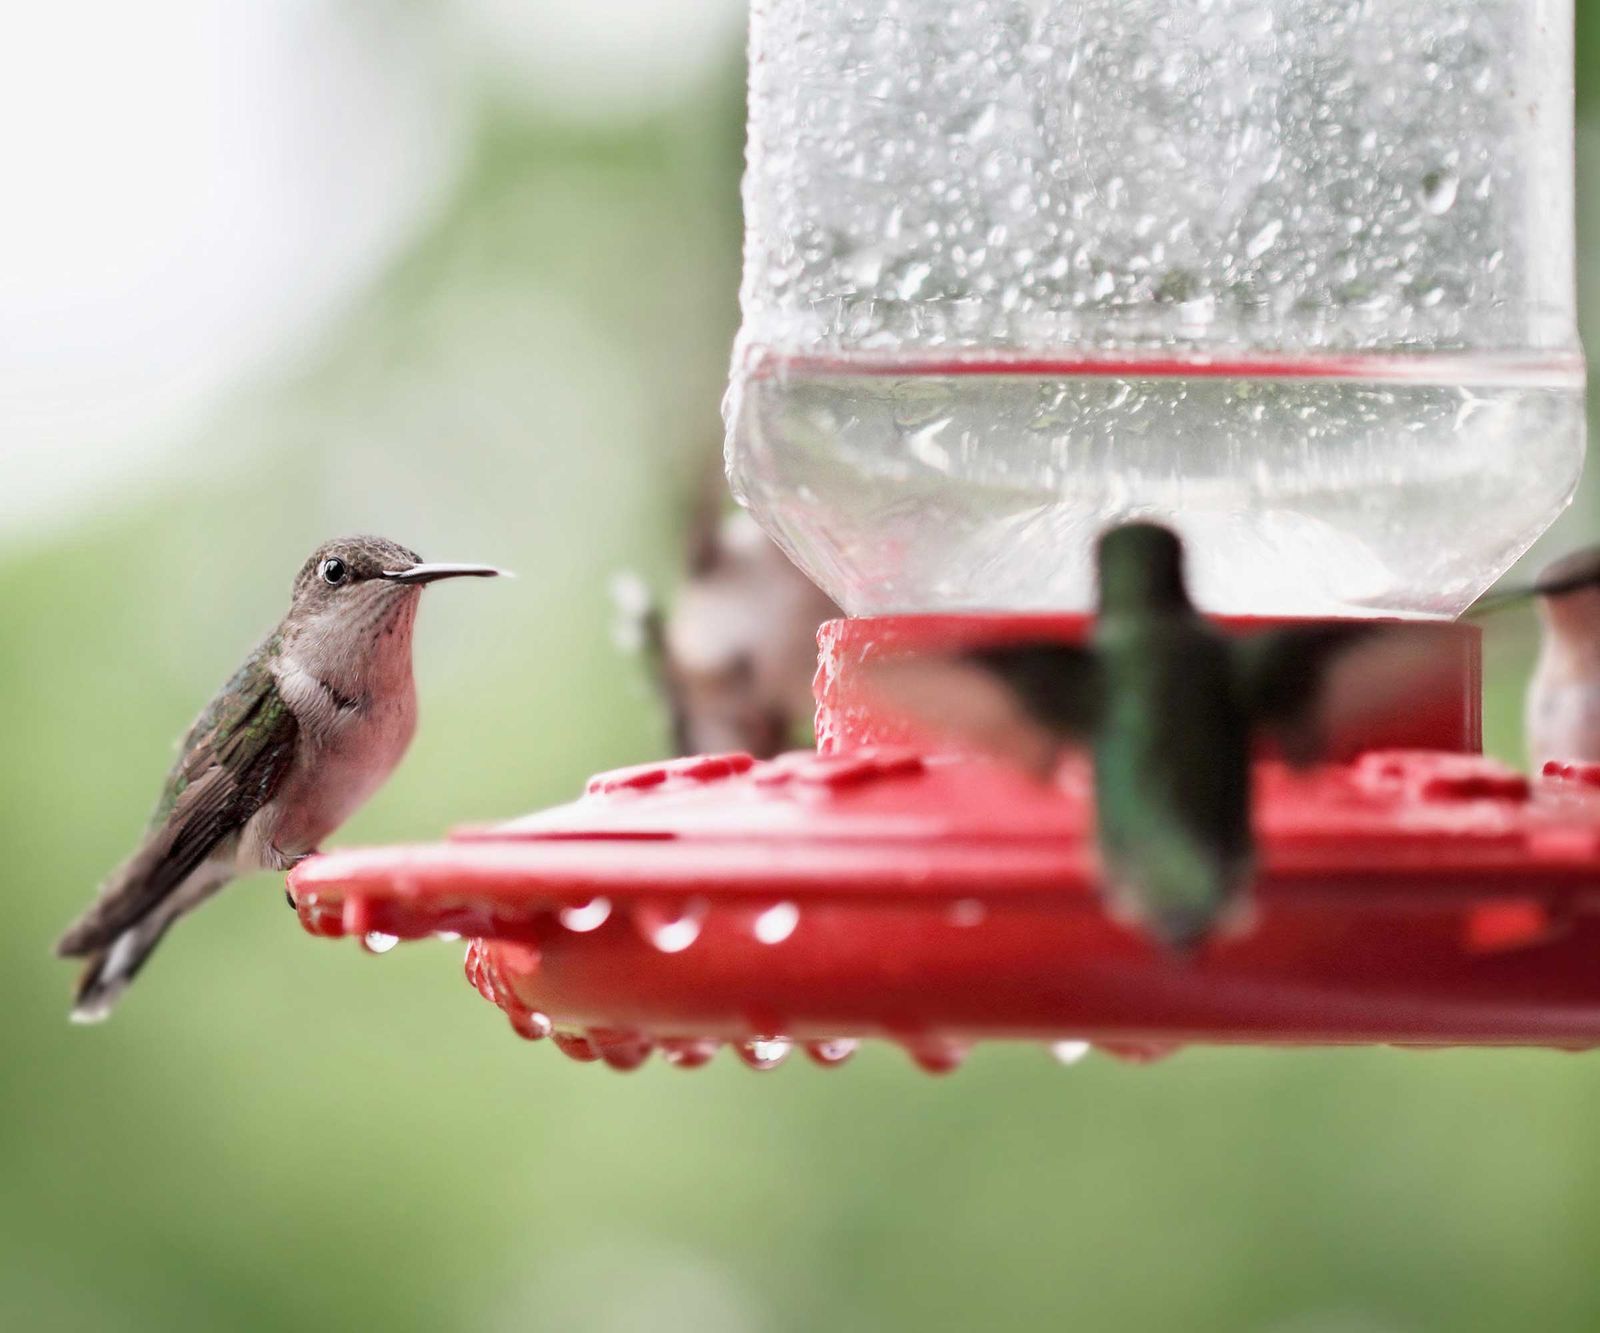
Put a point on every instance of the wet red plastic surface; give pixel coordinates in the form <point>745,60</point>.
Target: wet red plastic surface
<point>1409,896</point>
<point>1448,718</point>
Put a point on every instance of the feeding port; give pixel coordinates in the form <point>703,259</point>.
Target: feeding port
<point>1294,279</point>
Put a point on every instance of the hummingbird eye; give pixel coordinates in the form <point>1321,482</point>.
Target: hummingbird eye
<point>333,570</point>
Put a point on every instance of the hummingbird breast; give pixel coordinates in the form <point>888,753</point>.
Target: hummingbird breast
<point>356,702</point>
<point>336,769</point>
<point>1563,711</point>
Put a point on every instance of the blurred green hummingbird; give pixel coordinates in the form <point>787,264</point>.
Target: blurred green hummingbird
<point>1168,706</point>
<point>300,736</point>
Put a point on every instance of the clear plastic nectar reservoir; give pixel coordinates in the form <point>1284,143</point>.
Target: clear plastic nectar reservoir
<point>1294,276</point>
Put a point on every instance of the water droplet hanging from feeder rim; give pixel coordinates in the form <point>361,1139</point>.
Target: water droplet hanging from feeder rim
<point>375,942</point>
<point>689,1052</point>
<point>765,1052</point>
<point>1139,1052</point>
<point>831,1051</point>
<point>938,1055</point>
<point>623,1051</point>
<point>529,1024</point>
<point>1069,1052</point>
<point>575,1046</point>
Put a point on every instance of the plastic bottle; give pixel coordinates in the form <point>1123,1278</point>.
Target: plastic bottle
<point>1295,276</point>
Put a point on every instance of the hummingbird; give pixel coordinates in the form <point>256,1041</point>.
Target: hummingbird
<point>1561,713</point>
<point>733,660</point>
<point>300,736</point>
<point>1169,707</point>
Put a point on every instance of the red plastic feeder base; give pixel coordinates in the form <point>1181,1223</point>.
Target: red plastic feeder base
<point>1414,896</point>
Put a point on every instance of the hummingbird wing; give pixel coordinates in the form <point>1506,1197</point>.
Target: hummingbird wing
<point>1018,702</point>
<point>232,762</point>
<point>1309,683</point>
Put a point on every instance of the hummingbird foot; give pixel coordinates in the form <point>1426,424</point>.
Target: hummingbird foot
<point>274,858</point>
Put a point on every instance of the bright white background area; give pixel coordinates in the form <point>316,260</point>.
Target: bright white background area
<point>192,188</point>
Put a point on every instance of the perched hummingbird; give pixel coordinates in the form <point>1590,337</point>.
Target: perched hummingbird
<point>1562,712</point>
<point>733,661</point>
<point>300,736</point>
<point>1168,706</point>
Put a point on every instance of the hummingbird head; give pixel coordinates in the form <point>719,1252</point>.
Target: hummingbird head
<point>1141,569</point>
<point>355,593</point>
<point>1568,593</point>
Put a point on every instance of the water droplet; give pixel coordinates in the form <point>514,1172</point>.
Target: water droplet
<point>1069,1052</point>
<point>589,916</point>
<point>832,1051</point>
<point>938,1055</point>
<point>375,941</point>
<point>777,923</point>
<point>765,1052</point>
<point>1197,314</point>
<point>975,122</point>
<point>1263,240</point>
<point>672,931</point>
<point>529,1024</point>
<point>1139,1052</point>
<point>575,1046</point>
<point>910,279</point>
<point>923,444</point>
<point>967,912</point>
<point>1439,190</point>
<point>448,936</point>
<point>688,1052</point>
<point>623,1051</point>
<point>472,965</point>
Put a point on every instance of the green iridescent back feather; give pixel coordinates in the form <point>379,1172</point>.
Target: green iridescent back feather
<point>240,702</point>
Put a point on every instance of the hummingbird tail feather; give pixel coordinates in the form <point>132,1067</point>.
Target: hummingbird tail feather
<point>135,889</point>
<point>109,972</point>
<point>112,963</point>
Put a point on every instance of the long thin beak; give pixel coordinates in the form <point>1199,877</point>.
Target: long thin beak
<point>430,572</point>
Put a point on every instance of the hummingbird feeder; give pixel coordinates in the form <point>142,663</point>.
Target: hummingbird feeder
<point>1294,279</point>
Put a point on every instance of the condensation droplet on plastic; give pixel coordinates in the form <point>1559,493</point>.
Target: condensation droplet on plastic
<point>967,912</point>
<point>777,923</point>
<point>375,941</point>
<point>1263,240</point>
<point>1439,189</point>
<point>586,916</point>
<point>671,930</point>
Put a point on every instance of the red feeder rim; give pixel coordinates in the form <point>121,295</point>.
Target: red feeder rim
<point>1417,894</point>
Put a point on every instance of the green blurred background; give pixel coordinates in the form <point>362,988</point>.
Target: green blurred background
<point>465,273</point>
